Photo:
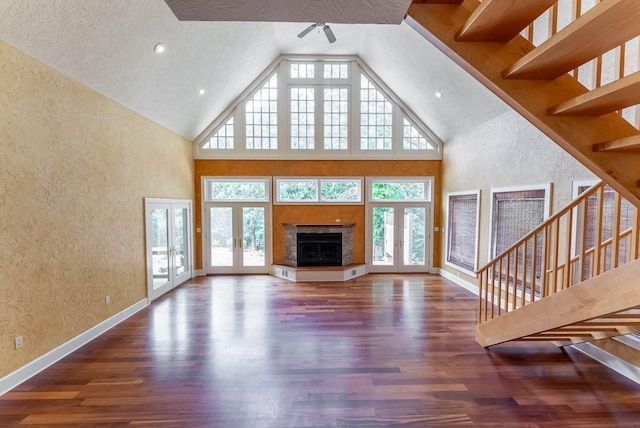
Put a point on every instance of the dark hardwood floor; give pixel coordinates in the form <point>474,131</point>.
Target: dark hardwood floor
<point>258,351</point>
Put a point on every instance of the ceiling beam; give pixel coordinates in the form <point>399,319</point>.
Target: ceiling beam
<point>608,25</point>
<point>501,20</point>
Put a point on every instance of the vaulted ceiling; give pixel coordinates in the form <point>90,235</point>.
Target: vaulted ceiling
<point>108,46</point>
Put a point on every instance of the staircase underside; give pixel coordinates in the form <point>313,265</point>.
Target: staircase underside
<point>604,306</point>
<point>488,62</point>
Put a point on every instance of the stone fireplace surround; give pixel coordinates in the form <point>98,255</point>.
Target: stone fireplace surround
<point>291,231</point>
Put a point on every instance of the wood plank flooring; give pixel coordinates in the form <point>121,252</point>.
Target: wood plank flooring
<point>259,351</point>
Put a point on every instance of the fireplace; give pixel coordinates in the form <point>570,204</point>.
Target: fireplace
<point>321,245</point>
<point>319,249</point>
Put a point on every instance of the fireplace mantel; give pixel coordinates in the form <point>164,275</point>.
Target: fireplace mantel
<point>318,225</point>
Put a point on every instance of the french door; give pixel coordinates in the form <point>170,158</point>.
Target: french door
<point>398,239</point>
<point>237,237</point>
<point>169,248</point>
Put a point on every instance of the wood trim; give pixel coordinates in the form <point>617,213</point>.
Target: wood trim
<point>617,95</point>
<point>501,20</point>
<point>608,25</point>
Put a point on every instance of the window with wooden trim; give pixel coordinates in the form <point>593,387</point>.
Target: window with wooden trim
<point>462,230</point>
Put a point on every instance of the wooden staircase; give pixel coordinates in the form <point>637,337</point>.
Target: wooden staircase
<point>574,278</point>
<point>540,82</point>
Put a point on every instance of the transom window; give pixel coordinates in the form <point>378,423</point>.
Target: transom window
<point>328,107</point>
<point>335,190</point>
<point>400,189</point>
<point>237,189</point>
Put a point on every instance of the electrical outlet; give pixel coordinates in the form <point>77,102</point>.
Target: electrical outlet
<point>337,220</point>
<point>107,300</point>
<point>19,341</point>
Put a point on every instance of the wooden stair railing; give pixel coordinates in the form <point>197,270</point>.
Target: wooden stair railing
<point>595,233</point>
<point>495,41</point>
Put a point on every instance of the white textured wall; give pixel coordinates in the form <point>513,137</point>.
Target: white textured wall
<point>74,169</point>
<point>506,151</point>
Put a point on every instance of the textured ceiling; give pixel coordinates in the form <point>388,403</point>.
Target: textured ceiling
<point>108,46</point>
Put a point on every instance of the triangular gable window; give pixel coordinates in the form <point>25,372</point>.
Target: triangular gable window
<point>412,139</point>
<point>223,138</point>
<point>298,103</point>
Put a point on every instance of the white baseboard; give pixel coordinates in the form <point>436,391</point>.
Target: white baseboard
<point>459,281</point>
<point>199,272</point>
<point>614,363</point>
<point>36,366</point>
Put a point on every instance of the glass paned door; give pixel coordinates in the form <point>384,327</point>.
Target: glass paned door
<point>383,235</point>
<point>414,237</point>
<point>253,234</point>
<point>238,238</point>
<point>180,248</point>
<point>168,238</point>
<point>399,240</point>
<point>221,237</point>
<point>159,240</point>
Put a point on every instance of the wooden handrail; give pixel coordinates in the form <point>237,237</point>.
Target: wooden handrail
<point>561,255</point>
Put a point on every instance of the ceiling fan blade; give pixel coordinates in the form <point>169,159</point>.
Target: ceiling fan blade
<point>307,30</point>
<point>330,36</point>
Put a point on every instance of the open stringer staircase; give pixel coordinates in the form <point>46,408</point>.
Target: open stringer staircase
<point>577,277</point>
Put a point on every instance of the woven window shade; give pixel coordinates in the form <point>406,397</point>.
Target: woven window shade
<point>463,229</point>
<point>514,215</point>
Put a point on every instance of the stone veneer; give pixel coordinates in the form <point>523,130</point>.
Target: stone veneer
<point>291,239</point>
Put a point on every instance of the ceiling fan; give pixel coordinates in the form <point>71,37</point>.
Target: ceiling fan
<point>327,31</point>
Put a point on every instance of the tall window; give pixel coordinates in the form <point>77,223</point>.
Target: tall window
<point>516,213</point>
<point>262,117</point>
<point>336,118</point>
<point>462,230</point>
<point>302,118</point>
<point>376,118</point>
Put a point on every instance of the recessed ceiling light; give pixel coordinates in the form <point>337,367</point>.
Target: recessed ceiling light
<point>201,92</point>
<point>438,94</point>
<point>159,48</point>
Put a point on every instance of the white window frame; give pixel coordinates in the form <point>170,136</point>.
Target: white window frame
<point>208,180</point>
<point>318,200</point>
<point>281,67</point>
<point>428,190</point>
<point>448,232</point>
<point>547,206</point>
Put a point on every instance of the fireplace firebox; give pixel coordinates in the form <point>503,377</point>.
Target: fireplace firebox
<point>319,249</point>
